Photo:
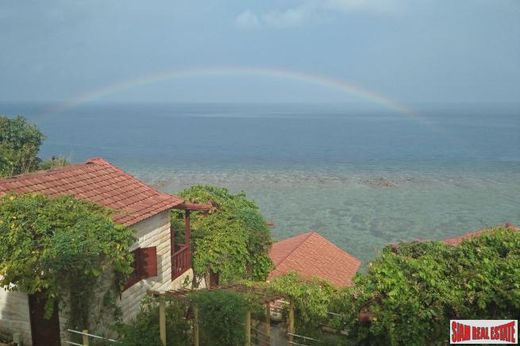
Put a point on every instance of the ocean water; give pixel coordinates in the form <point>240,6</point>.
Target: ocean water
<point>361,177</point>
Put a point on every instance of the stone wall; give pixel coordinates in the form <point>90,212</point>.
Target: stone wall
<point>14,315</point>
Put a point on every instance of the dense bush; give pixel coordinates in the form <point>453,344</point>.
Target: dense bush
<point>143,330</point>
<point>233,240</point>
<point>221,317</point>
<point>412,290</point>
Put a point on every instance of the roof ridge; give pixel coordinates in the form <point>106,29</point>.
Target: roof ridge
<point>39,172</point>
<point>102,161</point>
<point>308,234</point>
<point>100,182</point>
<point>333,244</point>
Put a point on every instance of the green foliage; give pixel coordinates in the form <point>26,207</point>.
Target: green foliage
<point>408,295</point>
<point>144,329</point>
<point>19,145</point>
<point>221,320</point>
<point>221,317</point>
<point>412,290</point>
<point>312,298</point>
<point>60,247</point>
<point>54,162</point>
<point>233,240</point>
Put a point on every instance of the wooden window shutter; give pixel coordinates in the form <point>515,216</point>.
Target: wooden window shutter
<point>148,265</point>
<point>145,265</point>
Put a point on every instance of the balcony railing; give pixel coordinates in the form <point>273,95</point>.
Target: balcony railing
<point>181,261</point>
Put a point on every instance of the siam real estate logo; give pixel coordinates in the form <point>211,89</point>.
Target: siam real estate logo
<point>484,332</point>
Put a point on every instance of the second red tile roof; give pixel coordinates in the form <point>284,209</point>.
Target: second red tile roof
<point>474,234</point>
<point>100,182</point>
<point>311,255</point>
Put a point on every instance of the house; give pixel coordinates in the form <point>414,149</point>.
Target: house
<point>311,255</point>
<point>160,263</point>
<point>457,240</point>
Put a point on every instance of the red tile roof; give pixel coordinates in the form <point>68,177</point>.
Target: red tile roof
<point>457,240</point>
<point>311,255</point>
<point>100,182</point>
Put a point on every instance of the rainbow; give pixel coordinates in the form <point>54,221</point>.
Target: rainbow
<point>321,80</point>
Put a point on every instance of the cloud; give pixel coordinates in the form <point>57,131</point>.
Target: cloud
<point>247,20</point>
<point>288,18</point>
<point>309,10</point>
<point>277,18</point>
<point>371,6</point>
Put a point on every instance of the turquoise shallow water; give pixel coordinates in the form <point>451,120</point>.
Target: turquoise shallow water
<point>363,212</point>
<point>362,178</point>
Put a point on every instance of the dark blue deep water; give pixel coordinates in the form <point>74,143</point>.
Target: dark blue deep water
<point>362,178</point>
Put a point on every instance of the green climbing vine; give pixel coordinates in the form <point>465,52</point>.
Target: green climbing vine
<point>233,240</point>
<point>63,248</point>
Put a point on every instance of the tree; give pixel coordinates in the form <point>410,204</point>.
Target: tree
<point>61,247</point>
<point>20,142</point>
<point>233,240</point>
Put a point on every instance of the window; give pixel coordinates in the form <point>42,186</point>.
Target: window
<point>145,265</point>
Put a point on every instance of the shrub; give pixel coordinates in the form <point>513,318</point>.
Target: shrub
<point>221,317</point>
<point>143,330</point>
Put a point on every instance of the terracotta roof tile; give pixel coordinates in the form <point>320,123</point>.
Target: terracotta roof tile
<point>100,182</point>
<point>311,255</point>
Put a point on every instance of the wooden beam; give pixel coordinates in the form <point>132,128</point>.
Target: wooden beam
<point>248,328</point>
<point>197,206</point>
<point>268,323</point>
<point>162,321</point>
<point>187,227</point>
<point>187,233</point>
<point>196,336</point>
<point>290,322</point>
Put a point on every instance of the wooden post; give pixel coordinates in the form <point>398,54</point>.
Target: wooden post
<point>172,250</point>
<point>196,326</point>
<point>248,328</point>
<point>162,321</point>
<point>290,326</point>
<point>187,233</point>
<point>268,323</point>
<point>85,337</point>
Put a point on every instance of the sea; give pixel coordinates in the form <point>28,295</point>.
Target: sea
<point>362,177</point>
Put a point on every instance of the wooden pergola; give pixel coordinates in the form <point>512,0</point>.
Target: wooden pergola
<point>260,294</point>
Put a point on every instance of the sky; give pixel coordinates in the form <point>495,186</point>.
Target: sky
<point>409,51</point>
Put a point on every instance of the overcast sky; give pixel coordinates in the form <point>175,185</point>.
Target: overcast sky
<point>407,50</point>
